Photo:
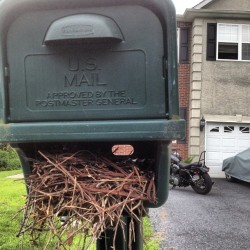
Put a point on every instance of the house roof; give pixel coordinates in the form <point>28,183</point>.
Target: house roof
<point>191,14</point>
<point>198,11</point>
<point>202,4</point>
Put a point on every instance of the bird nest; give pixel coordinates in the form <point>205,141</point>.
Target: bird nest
<point>81,195</point>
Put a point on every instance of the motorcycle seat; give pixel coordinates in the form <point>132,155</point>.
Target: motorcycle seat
<point>184,165</point>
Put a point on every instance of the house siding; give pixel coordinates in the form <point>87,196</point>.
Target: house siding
<point>225,84</point>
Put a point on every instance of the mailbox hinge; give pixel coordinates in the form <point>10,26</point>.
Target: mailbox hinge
<point>6,72</point>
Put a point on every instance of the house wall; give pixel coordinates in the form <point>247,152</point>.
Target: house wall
<point>225,84</point>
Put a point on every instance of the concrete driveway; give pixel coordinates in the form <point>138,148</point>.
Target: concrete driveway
<point>219,220</point>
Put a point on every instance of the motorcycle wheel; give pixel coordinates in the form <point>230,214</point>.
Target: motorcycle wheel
<point>203,185</point>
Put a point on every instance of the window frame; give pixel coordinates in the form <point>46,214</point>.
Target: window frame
<point>239,42</point>
<point>178,43</point>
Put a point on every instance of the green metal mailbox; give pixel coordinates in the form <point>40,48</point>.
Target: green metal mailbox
<point>90,73</point>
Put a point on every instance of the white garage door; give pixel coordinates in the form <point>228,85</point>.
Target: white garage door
<point>223,141</point>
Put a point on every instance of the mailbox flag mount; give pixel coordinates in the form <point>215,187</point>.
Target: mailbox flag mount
<point>85,27</point>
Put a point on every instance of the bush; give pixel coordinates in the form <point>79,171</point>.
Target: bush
<point>9,159</point>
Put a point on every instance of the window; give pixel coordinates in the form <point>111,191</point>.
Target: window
<point>245,42</point>
<point>183,45</point>
<point>227,41</point>
<point>228,129</point>
<point>245,130</point>
<point>215,130</point>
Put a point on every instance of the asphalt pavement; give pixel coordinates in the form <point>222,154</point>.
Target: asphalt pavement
<point>219,220</point>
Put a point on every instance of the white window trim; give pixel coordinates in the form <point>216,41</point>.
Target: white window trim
<point>239,43</point>
<point>178,44</point>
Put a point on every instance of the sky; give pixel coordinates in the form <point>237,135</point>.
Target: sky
<point>181,5</point>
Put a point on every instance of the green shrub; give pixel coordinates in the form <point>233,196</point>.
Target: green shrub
<point>9,159</point>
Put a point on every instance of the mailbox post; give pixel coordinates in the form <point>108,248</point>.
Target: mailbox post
<point>92,73</point>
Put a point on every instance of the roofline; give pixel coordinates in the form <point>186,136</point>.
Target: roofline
<point>202,4</point>
<point>190,14</point>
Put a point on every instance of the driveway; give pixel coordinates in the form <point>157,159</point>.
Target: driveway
<point>219,220</point>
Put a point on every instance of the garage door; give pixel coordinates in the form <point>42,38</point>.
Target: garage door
<point>223,141</point>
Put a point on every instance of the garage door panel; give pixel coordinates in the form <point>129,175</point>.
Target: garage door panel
<point>228,143</point>
<point>213,141</point>
<point>225,140</point>
<point>243,144</point>
<point>213,155</point>
<point>212,158</point>
<point>227,154</point>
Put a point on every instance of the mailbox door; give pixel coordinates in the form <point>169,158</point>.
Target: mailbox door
<point>86,64</point>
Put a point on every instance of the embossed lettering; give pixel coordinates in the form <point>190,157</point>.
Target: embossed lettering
<point>73,64</point>
<point>70,81</point>
<point>84,80</point>
<point>82,64</point>
<point>111,93</point>
<point>115,101</point>
<point>90,64</point>
<point>96,81</point>
<point>78,80</point>
<point>64,103</point>
<point>69,95</point>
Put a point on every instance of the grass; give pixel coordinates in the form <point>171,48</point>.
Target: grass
<point>12,198</point>
<point>151,242</point>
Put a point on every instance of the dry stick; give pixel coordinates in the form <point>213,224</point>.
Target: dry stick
<point>25,218</point>
<point>75,232</point>
<point>52,226</point>
<point>151,187</point>
<point>27,214</point>
<point>48,241</point>
<point>124,180</point>
<point>66,173</point>
<point>115,166</point>
<point>119,218</point>
<point>131,233</point>
<point>72,156</point>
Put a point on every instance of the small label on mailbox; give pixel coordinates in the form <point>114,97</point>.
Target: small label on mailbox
<point>78,30</point>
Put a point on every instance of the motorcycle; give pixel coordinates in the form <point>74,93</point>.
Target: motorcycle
<point>194,174</point>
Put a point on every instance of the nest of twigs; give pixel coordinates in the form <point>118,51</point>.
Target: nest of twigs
<point>81,195</point>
